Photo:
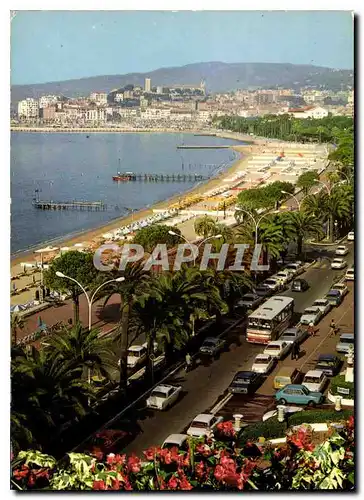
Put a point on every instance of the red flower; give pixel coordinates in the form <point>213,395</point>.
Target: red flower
<point>31,480</point>
<point>351,422</point>
<point>200,469</point>
<point>203,449</point>
<point>134,464</point>
<point>226,428</point>
<point>166,456</point>
<point>99,485</point>
<point>184,484</point>
<point>219,472</point>
<point>18,474</point>
<point>172,483</point>
<point>115,484</point>
<point>301,439</point>
<point>152,453</point>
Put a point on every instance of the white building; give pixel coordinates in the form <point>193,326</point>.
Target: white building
<point>96,115</point>
<point>28,108</point>
<point>155,114</point>
<point>203,116</point>
<point>309,112</point>
<point>351,98</point>
<point>119,97</point>
<point>177,115</point>
<point>100,98</point>
<point>159,89</point>
<point>47,100</point>
<point>147,85</point>
<point>128,112</point>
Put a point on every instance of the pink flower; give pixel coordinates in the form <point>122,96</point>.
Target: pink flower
<point>99,485</point>
<point>172,483</point>
<point>184,484</point>
<point>134,464</point>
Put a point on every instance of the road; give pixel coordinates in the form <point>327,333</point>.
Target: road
<point>204,385</point>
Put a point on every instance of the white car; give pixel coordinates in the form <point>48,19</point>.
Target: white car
<point>288,409</point>
<point>296,267</point>
<point>349,276</point>
<point>263,363</point>
<point>203,425</point>
<point>341,250</point>
<point>178,440</point>
<point>311,315</point>
<point>351,236</point>
<point>343,289</point>
<point>273,284</point>
<point>338,263</point>
<point>315,380</point>
<point>323,304</point>
<point>163,396</point>
<point>284,276</point>
<point>137,354</point>
<point>294,334</point>
<point>277,349</point>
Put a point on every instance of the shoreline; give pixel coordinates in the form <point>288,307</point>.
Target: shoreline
<point>88,234</point>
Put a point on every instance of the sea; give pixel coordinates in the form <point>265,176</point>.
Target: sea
<point>74,166</point>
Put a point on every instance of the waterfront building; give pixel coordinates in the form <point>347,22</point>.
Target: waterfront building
<point>96,115</point>
<point>147,85</point>
<point>119,97</point>
<point>308,112</point>
<point>47,100</point>
<point>155,114</point>
<point>48,113</point>
<point>28,108</point>
<point>100,98</point>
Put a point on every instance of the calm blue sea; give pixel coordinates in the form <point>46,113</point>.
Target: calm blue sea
<point>65,167</point>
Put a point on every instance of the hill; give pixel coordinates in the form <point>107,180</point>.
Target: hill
<point>219,77</point>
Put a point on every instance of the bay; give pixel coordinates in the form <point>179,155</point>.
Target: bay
<point>67,166</point>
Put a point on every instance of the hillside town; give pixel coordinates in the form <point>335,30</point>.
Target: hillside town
<point>178,107</point>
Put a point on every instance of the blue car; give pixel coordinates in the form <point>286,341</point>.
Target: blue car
<point>334,297</point>
<point>298,394</point>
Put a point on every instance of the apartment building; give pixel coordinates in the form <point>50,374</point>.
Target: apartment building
<point>47,100</point>
<point>155,114</point>
<point>28,108</point>
<point>100,98</point>
<point>96,115</point>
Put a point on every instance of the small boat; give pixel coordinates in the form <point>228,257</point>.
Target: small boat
<point>122,176</point>
<point>87,136</point>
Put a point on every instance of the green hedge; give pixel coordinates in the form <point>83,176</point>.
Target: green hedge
<point>339,381</point>
<point>318,416</point>
<point>270,429</point>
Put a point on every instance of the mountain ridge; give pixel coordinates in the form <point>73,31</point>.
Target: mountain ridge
<point>219,77</point>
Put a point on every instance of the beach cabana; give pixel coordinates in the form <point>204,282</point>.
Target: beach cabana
<point>17,308</point>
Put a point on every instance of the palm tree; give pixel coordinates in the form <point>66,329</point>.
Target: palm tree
<point>304,225</point>
<point>46,393</point>
<point>135,280</point>
<point>80,347</point>
<point>205,226</point>
<point>16,322</point>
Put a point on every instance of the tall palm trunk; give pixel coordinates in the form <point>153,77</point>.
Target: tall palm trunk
<point>149,370</point>
<point>123,329</point>
<point>331,228</point>
<point>76,308</point>
<point>299,245</point>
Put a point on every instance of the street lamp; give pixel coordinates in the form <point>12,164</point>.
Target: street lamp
<point>89,301</point>
<point>216,237</point>
<point>295,197</point>
<point>256,223</point>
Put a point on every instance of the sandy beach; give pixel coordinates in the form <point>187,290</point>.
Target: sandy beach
<point>89,235</point>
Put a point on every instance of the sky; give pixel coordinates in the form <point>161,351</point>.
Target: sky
<point>61,45</point>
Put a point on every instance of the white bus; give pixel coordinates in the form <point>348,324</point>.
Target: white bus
<point>268,321</point>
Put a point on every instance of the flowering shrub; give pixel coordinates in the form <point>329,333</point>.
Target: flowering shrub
<point>209,464</point>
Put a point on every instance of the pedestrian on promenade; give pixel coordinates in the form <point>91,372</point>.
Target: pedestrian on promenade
<point>333,329</point>
<point>311,330</point>
<point>188,362</point>
<point>295,350</point>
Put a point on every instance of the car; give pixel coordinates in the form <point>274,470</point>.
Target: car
<point>284,276</point>
<point>212,346</point>
<point>163,396</point>
<point>311,315</point>
<point>277,349</point>
<point>351,236</point>
<point>250,300</point>
<point>245,382</point>
<point>137,354</point>
<point>273,284</point>
<point>330,364</point>
<point>299,285</point>
<point>349,276</point>
<point>341,250</point>
<point>334,297</point>
<point>338,263</point>
<point>346,340</point>
<point>323,304</point>
<point>298,394</point>
<point>294,334</point>
<point>343,289</point>
<point>263,291</point>
<point>203,425</point>
<point>315,380</point>
<point>288,410</point>
<point>297,267</point>
<point>176,440</point>
<point>263,363</point>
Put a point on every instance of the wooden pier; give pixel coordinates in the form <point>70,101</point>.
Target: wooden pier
<point>69,205</point>
<point>146,177</point>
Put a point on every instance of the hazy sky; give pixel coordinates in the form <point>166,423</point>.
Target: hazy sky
<point>52,46</point>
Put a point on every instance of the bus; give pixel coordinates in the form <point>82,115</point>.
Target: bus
<point>268,321</point>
